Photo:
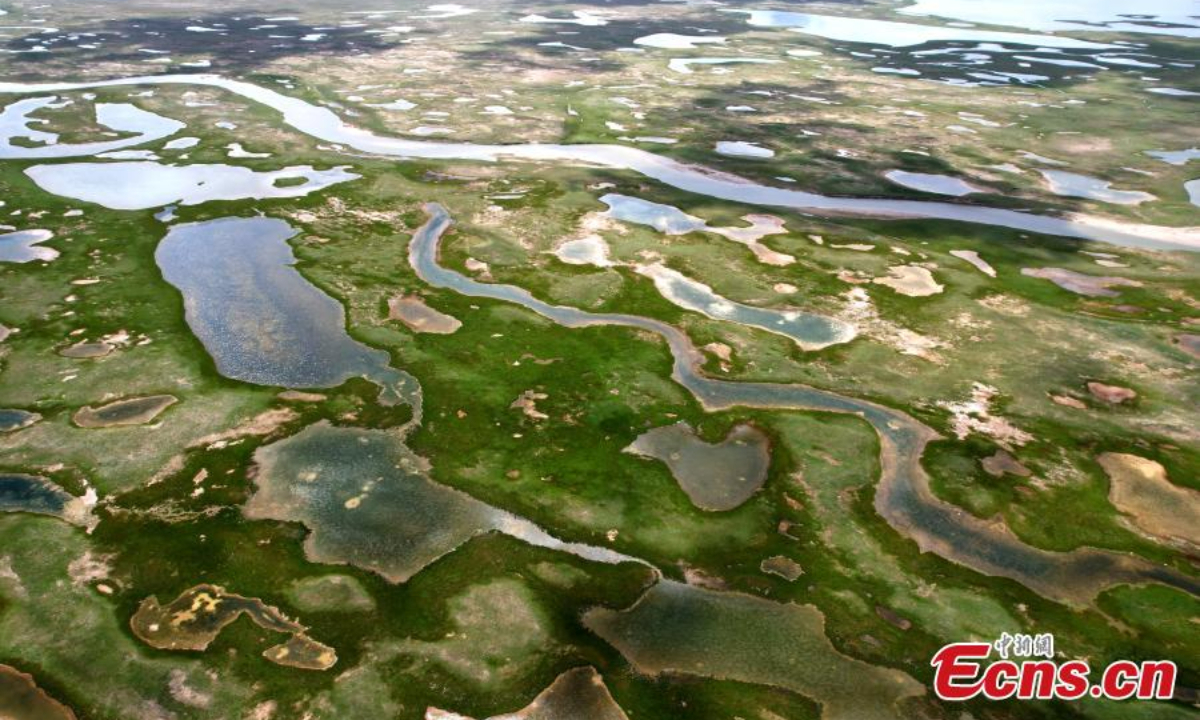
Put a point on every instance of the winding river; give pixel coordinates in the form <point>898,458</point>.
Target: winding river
<point>903,497</point>
<point>323,124</point>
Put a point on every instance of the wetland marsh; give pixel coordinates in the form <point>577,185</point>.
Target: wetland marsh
<point>580,362</point>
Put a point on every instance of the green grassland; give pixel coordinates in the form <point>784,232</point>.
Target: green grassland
<point>485,629</point>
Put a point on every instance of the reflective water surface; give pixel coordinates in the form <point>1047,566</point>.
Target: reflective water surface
<point>144,185</point>
<point>902,497</point>
<point>324,124</point>
<point>261,320</point>
<point>25,246</point>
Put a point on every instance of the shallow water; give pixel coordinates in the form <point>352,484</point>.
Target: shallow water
<point>368,501</point>
<point>666,219</point>
<point>1172,92</point>
<point>32,494</point>
<point>11,420</point>
<point>590,250</point>
<point>323,124</point>
<point>121,117</point>
<point>1069,184</point>
<point>739,148</point>
<point>183,143</point>
<point>715,476</point>
<point>964,66</point>
<point>131,411</point>
<point>1147,16</point>
<point>926,182</point>
<point>1058,62</point>
<point>671,220</point>
<point>261,320</point>
<point>901,34</point>
<point>1176,157</point>
<point>577,694</point>
<point>144,185</point>
<point>808,330</point>
<point>684,65</point>
<point>365,499</point>
<point>584,18</point>
<point>23,246</point>
<point>129,155</point>
<point>16,123</point>
<point>674,41</point>
<point>399,105</point>
<point>681,629</point>
<point>902,497</point>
